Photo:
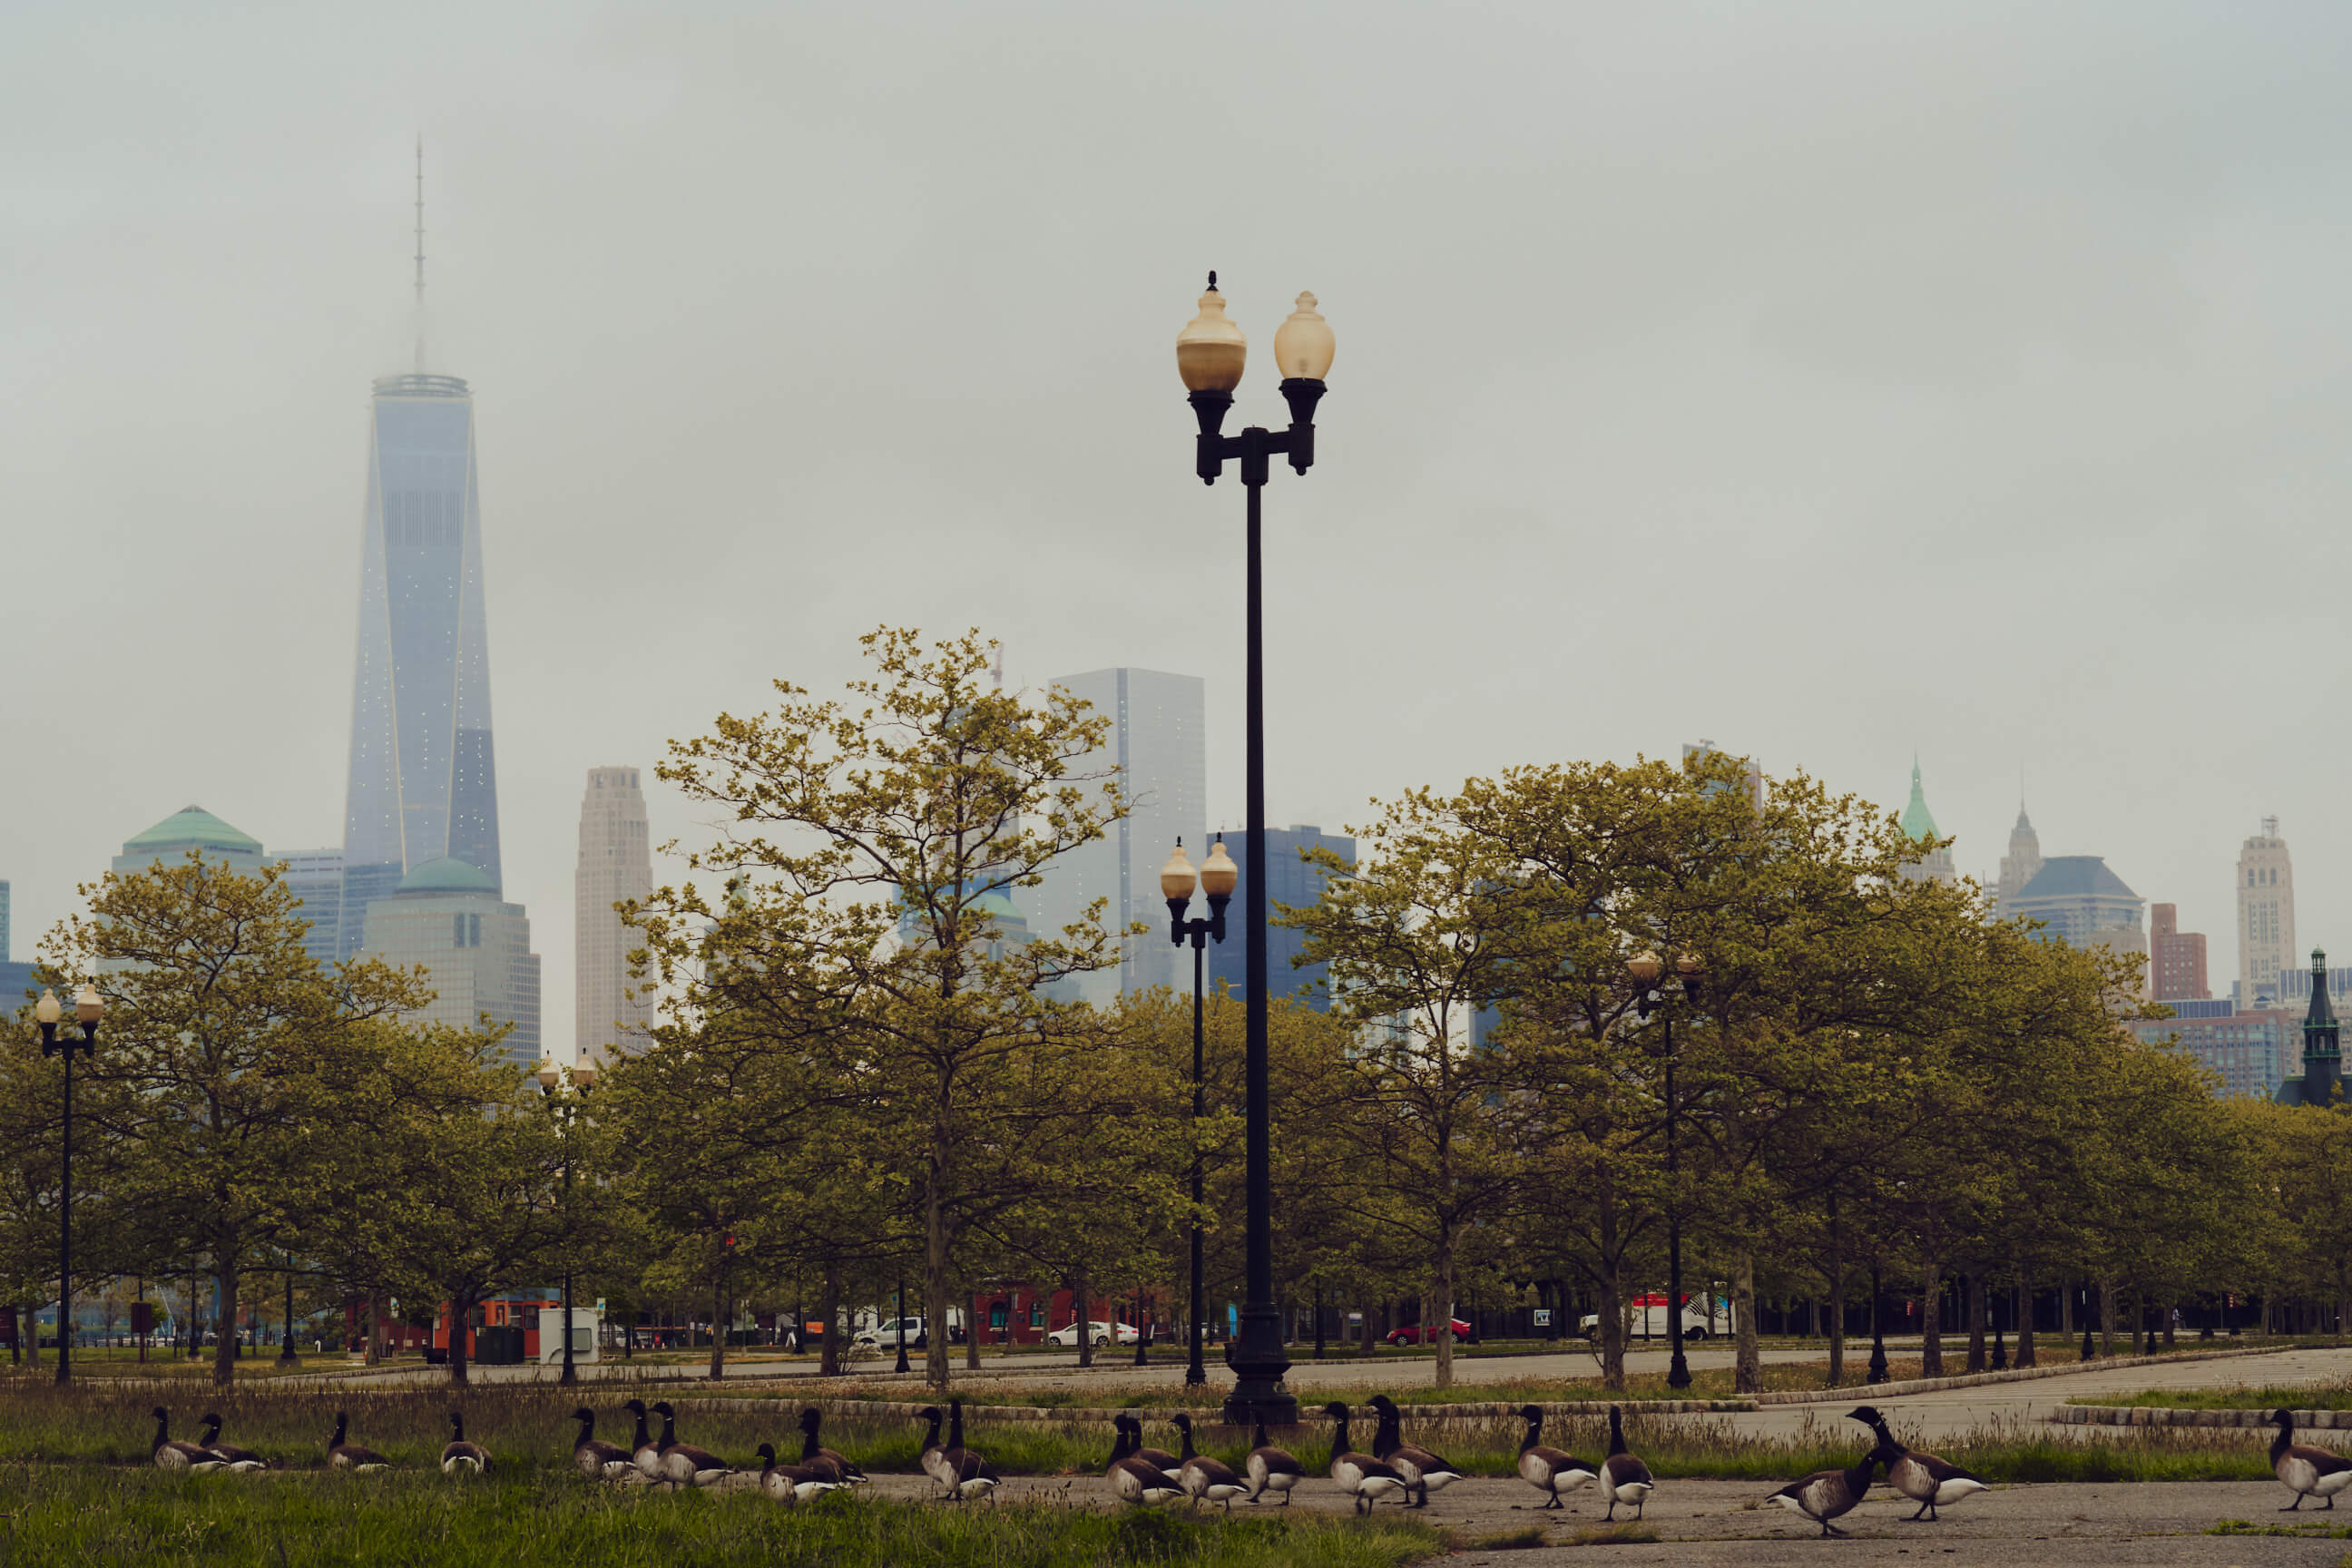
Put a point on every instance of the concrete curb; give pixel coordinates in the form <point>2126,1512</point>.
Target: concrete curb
<point>1080,1416</point>
<point>2160,1415</point>
<point>1867,1391</point>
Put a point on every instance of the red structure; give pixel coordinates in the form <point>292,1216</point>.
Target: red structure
<point>2175,957</point>
<point>1018,1315</point>
<point>519,1310</point>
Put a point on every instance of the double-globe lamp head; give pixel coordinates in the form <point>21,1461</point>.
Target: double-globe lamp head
<point>88,1006</point>
<point>1218,876</point>
<point>1645,967</point>
<point>1211,352</point>
<point>583,1076</point>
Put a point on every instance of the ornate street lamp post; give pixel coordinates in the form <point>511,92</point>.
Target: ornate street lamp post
<point>88,1008</point>
<point>572,1084</point>
<point>1216,878</point>
<point>1645,969</point>
<point>1210,354</point>
<point>1878,1368</point>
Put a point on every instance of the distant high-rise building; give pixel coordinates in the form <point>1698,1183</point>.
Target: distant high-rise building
<point>1919,824</point>
<point>2250,1050</point>
<point>446,916</point>
<point>2019,866</point>
<point>1755,774</point>
<point>423,774</point>
<point>192,827</point>
<point>2265,914</point>
<point>2084,904</point>
<point>1157,742</point>
<point>316,878</point>
<point>4,922</point>
<point>1291,881</point>
<point>615,864</point>
<point>2175,957</point>
<point>16,978</point>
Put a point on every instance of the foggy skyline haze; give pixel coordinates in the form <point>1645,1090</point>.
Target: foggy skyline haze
<point>1834,382</point>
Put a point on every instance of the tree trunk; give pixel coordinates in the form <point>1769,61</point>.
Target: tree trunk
<point>1837,1296</point>
<point>828,1357</point>
<point>1365,1334</point>
<point>2024,1294</point>
<point>973,1329</point>
<point>225,1353</point>
<point>1931,1320</point>
<point>2066,1311</point>
<point>2107,1317</point>
<point>461,1314</point>
<point>935,1251</point>
<point>1748,1374</point>
<point>1973,1285</point>
<point>1443,1301</point>
<point>718,1316</point>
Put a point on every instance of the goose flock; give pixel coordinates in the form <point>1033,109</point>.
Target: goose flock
<point>1144,1477</point>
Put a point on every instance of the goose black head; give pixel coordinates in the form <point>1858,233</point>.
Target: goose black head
<point>1336,1411</point>
<point>584,1414</point>
<point>211,1419</point>
<point>1530,1413</point>
<point>766,1452</point>
<point>1181,1421</point>
<point>662,1407</point>
<point>458,1420</point>
<point>928,1413</point>
<point>1381,1402</point>
<point>810,1418</point>
<point>2283,1417</point>
<point>1866,1413</point>
<point>634,1407</point>
<point>159,1414</point>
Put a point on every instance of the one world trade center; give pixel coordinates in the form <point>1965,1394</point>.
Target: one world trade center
<point>424,776</point>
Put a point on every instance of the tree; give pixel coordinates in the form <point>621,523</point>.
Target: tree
<point>873,845</point>
<point>227,1047</point>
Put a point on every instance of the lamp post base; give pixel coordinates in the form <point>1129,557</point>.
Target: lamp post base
<point>1259,1361</point>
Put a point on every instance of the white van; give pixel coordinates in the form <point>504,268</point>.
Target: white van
<point>1648,1317</point>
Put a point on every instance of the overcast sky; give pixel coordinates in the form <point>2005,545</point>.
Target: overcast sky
<point>1829,381</point>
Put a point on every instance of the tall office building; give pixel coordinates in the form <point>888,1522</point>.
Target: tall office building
<point>2265,915</point>
<point>15,977</point>
<point>2083,903</point>
<point>315,877</point>
<point>4,921</point>
<point>1293,882</point>
<point>2019,866</point>
<point>1918,826</point>
<point>192,827</point>
<point>2175,957</point>
<point>1754,773</point>
<point>476,949</point>
<point>616,863</point>
<point>1156,742</point>
<point>424,776</point>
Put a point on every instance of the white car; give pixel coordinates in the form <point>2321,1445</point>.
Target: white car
<point>1067,1338</point>
<point>886,1336</point>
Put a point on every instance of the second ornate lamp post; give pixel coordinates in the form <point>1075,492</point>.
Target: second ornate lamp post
<point>1210,354</point>
<point>1216,878</point>
<point>569,1082</point>
<point>88,1008</point>
<point>1645,969</point>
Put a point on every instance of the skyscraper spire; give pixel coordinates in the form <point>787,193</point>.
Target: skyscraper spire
<point>419,366</point>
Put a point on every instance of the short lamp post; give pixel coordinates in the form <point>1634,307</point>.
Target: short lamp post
<point>1645,969</point>
<point>1216,878</point>
<point>1210,354</point>
<point>572,1085</point>
<point>88,1008</point>
<point>1878,1369</point>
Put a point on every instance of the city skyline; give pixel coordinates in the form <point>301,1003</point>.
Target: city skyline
<point>1813,346</point>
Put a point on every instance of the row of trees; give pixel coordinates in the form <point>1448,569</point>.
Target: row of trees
<point>859,1072</point>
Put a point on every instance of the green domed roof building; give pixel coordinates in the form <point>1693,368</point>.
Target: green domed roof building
<point>1919,824</point>
<point>192,827</point>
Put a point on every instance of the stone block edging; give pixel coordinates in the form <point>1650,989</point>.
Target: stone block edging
<point>2162,1416</point>
<point>2014,1374</point>
<point>1211,1415</point>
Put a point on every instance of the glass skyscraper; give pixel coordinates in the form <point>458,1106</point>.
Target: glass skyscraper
<point>424,779</point>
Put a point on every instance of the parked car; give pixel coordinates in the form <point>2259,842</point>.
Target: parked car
<point>1067,1336</point>
<point>885,1336</point>
<point>1648,1319</point>
<point>1411,1334</point>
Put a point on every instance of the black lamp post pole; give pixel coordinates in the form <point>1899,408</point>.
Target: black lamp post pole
<point>1257,1354</point>
<point>286,1356</point>
<point>901,1283</point>
<point>1878,1371</point>
<point>1678,1367</point>
<point>51,1045</point>
<point>1201,933</point>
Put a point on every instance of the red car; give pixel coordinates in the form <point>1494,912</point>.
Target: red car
<point>1411,1334</point>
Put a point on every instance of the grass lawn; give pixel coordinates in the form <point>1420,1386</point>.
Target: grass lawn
<point>528,1517</point>
<point>2234,1397</point>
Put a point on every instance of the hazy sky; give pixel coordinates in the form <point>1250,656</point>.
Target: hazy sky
<point>1828,381</point>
